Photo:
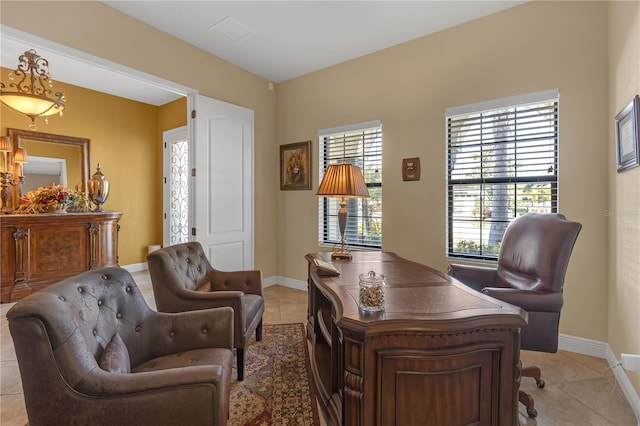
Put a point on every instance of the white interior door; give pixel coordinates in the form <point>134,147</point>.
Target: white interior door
<point>223,183</point>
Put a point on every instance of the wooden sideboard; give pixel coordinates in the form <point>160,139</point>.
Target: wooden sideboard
<point>439,354</point>
<point>39,250</point>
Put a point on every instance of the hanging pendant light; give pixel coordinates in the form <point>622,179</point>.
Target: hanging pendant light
<point>33,93</point>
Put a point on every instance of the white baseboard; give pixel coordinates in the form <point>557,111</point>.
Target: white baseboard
<point>582,346</point>
<point>625,384</point>
<point>286,282</point>
<point>136,267</point>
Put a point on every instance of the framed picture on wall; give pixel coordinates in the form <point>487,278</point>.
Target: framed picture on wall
<point>627,135</point>
<point>295,166</point>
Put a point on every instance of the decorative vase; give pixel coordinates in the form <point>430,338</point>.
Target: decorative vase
<point>98,189</point>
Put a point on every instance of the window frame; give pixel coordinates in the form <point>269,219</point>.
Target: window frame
<point>327,207</point>
<point>486,185</point>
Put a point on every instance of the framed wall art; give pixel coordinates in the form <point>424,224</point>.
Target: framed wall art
<point>627,135</point>
<point>295,166</point>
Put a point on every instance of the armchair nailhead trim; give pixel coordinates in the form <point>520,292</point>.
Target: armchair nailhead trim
<point>205,331</point>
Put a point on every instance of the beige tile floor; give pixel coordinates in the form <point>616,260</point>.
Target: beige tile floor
<point>578,388</point>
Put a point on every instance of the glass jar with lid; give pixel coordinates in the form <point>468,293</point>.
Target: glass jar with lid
<point>371,293</point>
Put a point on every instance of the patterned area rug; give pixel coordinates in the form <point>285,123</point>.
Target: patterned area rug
<point>277,388</point>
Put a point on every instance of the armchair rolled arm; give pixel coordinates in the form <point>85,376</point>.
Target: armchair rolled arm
<point>529,300</point>
<point>213,299</point>
<point>193,299</point>
<point>476,277</point>
<point>102,383</point>
<point>179,332</point>
<point>248,282</point>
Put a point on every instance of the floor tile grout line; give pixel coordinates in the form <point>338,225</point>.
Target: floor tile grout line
<point>586,404</point>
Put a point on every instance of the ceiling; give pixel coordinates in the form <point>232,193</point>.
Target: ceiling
<point>278,40</point>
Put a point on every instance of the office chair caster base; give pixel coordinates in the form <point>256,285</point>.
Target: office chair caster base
<point>540,383</point>
<point>527,401</point>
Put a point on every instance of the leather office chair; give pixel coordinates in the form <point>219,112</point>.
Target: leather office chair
<point>184,280</point>
<point>532,262</point>
<point>92,352</point>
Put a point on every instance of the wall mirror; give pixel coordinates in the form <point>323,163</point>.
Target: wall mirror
<point>52,159</point>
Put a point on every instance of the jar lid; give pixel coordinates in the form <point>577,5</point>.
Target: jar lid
<point>371,277</point>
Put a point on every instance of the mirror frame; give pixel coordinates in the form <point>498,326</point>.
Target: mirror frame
<point>17,135</point>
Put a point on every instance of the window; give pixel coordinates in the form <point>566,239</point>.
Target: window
<point>502,163</point>
<point>359,144</point>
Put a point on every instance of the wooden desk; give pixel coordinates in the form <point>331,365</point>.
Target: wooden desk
<point>439,354</point>
<point>41,249</point>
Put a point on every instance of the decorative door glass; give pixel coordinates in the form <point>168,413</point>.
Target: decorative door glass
<point>179,192</point>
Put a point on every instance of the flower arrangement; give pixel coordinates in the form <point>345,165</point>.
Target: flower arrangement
<point>49,199</point>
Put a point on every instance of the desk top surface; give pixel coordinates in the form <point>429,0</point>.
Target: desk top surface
<point>413,292</point>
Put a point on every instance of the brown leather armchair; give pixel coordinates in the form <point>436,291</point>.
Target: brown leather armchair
<point>184,280</point>
<point>170,368</point>
<point>532,262</point>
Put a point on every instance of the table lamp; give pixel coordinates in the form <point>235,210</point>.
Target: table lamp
<point>343,181</point>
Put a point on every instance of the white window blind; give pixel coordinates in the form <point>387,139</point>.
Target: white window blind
<point>502,163</point>
<point>359,144</point>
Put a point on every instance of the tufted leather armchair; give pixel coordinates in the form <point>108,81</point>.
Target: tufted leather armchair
<point>181,364</point>
<point>183,280</point>
<point>532,263</point>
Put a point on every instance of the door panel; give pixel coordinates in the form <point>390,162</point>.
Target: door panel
<point>223,183</point>
<point>226,177</point>
<point>229,254</point>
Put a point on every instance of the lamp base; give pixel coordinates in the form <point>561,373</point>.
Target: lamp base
<point>340,255</point>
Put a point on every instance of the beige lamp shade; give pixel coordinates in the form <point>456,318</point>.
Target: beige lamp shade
<point>20,156</point>
<point>343,181</point>
<point>5,144</point>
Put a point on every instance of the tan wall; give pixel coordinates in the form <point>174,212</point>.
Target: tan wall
<point>533,47</point>
<point>624,188</point>
<point>124,40</point>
